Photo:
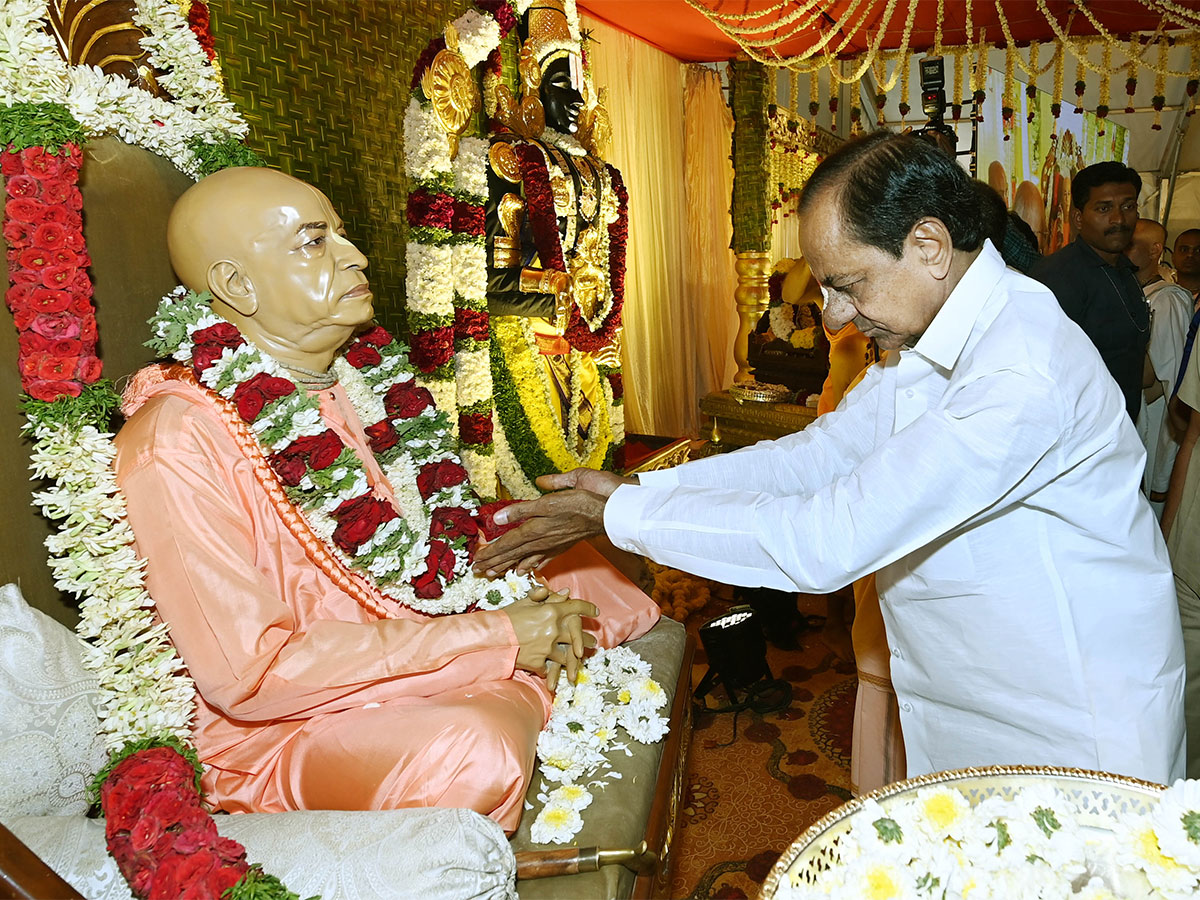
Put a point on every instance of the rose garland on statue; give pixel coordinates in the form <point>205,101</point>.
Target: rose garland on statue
<point>420,555</point>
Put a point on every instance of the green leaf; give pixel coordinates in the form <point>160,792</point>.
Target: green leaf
<point>1046,821</point>
<point>48,125</point>
<point>258,885</point>
<point>889,830</point>
<point>1191,825</point>
<point>94,406</point>
<point>1002,838</point>
<point>224,154</point>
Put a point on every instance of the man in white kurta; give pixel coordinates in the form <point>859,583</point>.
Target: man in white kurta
<point>990,475</point>
<point>988,472</point>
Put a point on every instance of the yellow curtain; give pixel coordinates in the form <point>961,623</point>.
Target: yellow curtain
<point>708,174</point>
<point>678,239</point>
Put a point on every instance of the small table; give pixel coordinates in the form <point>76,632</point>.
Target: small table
<point>732,424</point>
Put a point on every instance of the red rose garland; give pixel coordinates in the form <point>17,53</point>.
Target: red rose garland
<point>163,841</point>
<point>539,202</point>
<point>579,334</point>
<point>50,294</point>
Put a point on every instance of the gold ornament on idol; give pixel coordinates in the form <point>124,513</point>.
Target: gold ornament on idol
<point>451,90</point>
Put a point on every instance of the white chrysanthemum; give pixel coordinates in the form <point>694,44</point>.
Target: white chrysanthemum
<point>470,168</point>
<point>1176,821</point>
<point>470,271</point>
<point>869,879</point>
<point>429,283</point>
<point>478,36</point>
<point>426,147</point>
<point>1137,847</point>
<point>575,796</point>
<point>555,824</point>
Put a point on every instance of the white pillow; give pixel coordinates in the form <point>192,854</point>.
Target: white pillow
<point>50,743</point>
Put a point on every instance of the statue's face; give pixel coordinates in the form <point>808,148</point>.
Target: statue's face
<point>307,277</point>
<point>561,101</point>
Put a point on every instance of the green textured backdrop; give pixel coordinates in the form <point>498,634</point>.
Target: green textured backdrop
<point>324,85</point>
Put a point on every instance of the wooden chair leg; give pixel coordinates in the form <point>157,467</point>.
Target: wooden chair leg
<point>23,875</point>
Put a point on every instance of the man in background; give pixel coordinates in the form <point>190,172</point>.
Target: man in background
<point>1095,282</point>
<point>1170,311</point>
<point>1185,257</point>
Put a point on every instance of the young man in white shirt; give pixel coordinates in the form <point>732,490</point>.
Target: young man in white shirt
<point>986,469</point>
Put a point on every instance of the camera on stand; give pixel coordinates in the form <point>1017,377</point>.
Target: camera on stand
<point>933,104</point>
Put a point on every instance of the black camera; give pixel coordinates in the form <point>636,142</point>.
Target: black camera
<point>933,85</point>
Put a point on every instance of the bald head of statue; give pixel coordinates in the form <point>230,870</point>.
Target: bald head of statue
<point>274,254</point>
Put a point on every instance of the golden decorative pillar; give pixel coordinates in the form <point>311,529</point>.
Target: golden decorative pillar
<point>753,270</point>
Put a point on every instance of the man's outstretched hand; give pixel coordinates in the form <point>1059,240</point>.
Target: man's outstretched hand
<point>551,523</point>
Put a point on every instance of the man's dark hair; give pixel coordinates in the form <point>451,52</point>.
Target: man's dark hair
<point>993,210</point>
<point>1102,173</point>
<point>1022,228</point>
<point>884,183</point>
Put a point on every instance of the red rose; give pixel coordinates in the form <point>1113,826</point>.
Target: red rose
<point>49,236</point>
<point>290,469</point>
<point>40,162</point>
<point>377,336</point>
<point>52,390</point>
<point>10,163</point>
<point>433,477</point>
<point>617,383</point>
<point>32,342</point>
<point>55,191</point>
<point>31,212</point>
<point>475,428</point>
<point>23,318</point>
<point>322,450</point>
<point>63,216</point>
<point>82,285</point>
<point>58,277</point>
<point>56,326</point>
<point>75,241</point>
<point>18,296</point>
<point>486,515</point>
<point>439,564</point>
<point>229,850</point>
<point>252,396</point>
<point>432,348</point>
<point>451,523</point>
<point>468,218</point>
<point>382,436</point>
<point>472,324</point>
<point>63,347</point>
<point>16,234</point>
<point>223,878</point>
<point>431,210</point>
<point>65,256</point>
<point>35,258</point>
<point>87,330</point>
<point>23,187</point>
<point>24,276</point>
<point>210,342</point>
<point>406,400</point>
<point>89,369</point>
<point>144,834</point>
<point>361,355</point>
<point>357,519</point>
<point>57,368</point>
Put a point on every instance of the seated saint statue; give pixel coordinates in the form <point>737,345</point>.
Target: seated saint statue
<point>308,534</point>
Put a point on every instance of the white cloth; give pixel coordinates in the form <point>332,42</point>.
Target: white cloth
<point>992,476</point>
<point>1170,314</point>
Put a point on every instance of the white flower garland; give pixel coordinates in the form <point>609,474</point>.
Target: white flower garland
<point>934,844</point>
<point>144,689</point>
<point>32,71</point>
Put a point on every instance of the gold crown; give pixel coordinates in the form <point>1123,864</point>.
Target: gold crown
<point>549,31</point>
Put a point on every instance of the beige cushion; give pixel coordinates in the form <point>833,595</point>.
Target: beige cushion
<point>49,734</point>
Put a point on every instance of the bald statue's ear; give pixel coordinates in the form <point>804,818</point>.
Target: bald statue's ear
<point>934,246</point>
<point>229,284</point>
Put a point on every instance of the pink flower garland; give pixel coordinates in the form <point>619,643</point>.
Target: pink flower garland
<point>51,293</point>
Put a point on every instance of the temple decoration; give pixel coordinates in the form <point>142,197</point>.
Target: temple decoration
<point>769,35</point>
<point>515,310</point>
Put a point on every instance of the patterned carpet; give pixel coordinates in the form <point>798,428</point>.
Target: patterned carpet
<point>750,795</point>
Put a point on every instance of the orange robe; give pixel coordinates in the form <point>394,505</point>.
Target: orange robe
<point>306,699</point>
